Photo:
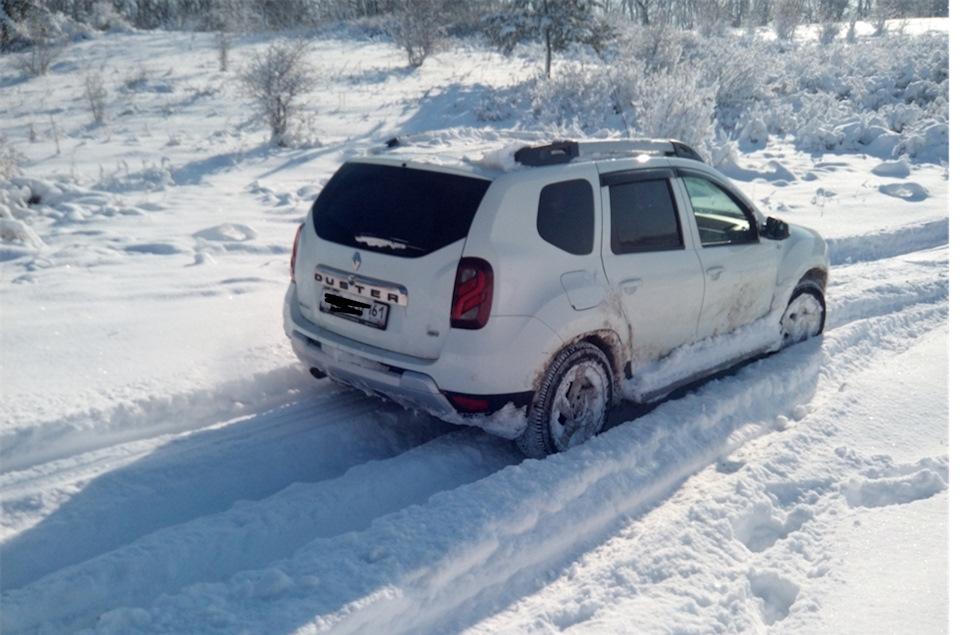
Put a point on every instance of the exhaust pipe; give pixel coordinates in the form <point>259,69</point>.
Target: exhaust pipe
<point>317,373</point>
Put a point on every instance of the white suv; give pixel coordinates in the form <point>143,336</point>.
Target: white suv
<point>526,291</point>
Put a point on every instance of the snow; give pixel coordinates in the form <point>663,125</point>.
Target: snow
<point>166,466</point>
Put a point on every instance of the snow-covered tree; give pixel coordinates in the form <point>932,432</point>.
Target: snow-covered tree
<point>11,14</point>
<point>557,23</point>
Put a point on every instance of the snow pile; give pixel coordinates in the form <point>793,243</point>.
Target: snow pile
<point>15,232</point>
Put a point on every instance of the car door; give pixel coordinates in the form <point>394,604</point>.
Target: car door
<point>739,268</point>
<point>650,261</point>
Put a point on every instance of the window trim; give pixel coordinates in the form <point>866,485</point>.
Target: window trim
<point>635,175</point>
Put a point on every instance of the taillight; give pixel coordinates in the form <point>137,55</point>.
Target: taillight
<point>472,294</point>
<point>293,256</point>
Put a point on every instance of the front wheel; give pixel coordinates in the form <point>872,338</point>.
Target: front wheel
<point>805,315</point>
<point>572,403</point>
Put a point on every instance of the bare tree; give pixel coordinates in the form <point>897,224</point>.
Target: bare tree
<point>96,95</point>
<point>276,79</point>
<point>223,40</point>
<point>419,28</point>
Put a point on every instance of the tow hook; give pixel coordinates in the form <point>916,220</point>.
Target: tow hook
<point>317,373</point>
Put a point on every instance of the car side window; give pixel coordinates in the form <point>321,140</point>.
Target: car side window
<point>721,219</point>
<point>565,217</point>
<point>643,217</point>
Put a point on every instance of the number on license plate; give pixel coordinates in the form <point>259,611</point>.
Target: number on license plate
<point>354,308</point>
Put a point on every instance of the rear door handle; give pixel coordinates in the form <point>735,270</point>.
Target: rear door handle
<point>715,272</point>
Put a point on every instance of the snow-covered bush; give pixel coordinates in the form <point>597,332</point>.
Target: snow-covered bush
<point>885,96</point>
<point>658,47</point>
<point>504,103</point>
<point>929,140</point>
<point>150,178</point>
<point>741,71</point>
<point>105,17</point>
<point>679,104</point>
<point>11,160</point>
<point>276,79</point>
<point>15,231</point>
<point>676,103</point>
<point>578,94</point>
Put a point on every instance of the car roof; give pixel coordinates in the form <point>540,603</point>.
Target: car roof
<point>493,158</point>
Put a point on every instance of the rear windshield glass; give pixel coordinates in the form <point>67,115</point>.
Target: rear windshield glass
<point>402,211</point>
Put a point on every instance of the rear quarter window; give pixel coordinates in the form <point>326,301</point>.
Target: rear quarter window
<point>403,211</point>
<point>565,216</point>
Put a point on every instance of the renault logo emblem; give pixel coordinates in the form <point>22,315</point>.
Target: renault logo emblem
<point>356,260</point>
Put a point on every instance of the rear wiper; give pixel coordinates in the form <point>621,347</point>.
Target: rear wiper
<point>385,243</point>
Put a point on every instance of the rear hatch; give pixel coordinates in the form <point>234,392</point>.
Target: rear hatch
<point>379,254</point>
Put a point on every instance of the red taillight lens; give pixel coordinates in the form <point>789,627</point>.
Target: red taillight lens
<point>472,294</point>
<point>293,256</point>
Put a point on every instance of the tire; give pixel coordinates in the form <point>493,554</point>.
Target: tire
<point>572,402</point>
<point>805,315</point>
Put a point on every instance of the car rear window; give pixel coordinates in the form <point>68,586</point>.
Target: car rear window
<point>402,211</point>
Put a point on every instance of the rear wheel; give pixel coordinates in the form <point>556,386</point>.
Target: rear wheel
<point>572,402</point>
<point>805,315</point>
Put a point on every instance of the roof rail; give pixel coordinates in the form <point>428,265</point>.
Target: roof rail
<point>566,151</point>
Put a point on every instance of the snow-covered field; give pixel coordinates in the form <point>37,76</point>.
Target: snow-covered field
<point>167,466</point>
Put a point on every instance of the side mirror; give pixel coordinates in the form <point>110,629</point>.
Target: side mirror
<point>775,229</point>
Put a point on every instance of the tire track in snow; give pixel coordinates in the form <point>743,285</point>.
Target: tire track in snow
<point>744,544</point>
<point>510,529</point>
<point>862,290</point>
<point>888,243</point>
<point>254,534</point>
<point>177,479</point>
<point>23,447</point>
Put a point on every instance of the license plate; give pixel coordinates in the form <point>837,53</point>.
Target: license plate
<point>354,308</point>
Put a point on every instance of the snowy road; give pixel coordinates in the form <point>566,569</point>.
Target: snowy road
<point>312,515</point>
<point>165,466</point>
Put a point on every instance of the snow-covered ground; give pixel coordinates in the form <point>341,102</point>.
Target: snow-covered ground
<point>167,466</point>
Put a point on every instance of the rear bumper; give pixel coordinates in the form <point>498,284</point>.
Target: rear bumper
<point>497,363</point>
<point>406,387</point>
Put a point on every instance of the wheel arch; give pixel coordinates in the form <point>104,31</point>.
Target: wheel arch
<point>538,440</point>
<point>818,276</point>
<point>610,345</point>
